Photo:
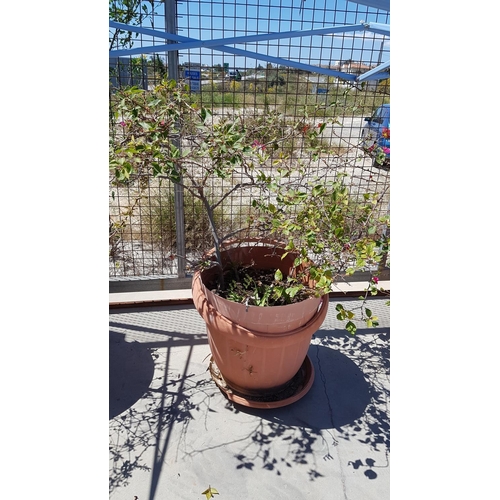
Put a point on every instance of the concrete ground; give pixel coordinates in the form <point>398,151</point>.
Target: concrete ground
<point>173,433</point>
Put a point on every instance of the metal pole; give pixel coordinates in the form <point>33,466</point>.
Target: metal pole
<point>173,74</point>
<point>381,50</point>
<point>382,267</point>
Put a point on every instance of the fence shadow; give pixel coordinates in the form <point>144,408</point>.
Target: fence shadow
<point>146,401</point>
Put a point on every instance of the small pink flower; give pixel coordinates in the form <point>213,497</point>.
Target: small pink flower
<point>257,144</point>
<point>122,124</point>
<point>375,280</point>
<point>386,150</point>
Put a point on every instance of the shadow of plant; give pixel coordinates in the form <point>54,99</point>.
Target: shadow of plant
<point>144,408</point>
<point>369,349</point>
<point>137,430</point>
<point>260,452</point>
<point>348,401</point>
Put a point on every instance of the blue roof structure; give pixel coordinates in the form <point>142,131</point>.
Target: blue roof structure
<point>376,4</point>
<point>226,45</point>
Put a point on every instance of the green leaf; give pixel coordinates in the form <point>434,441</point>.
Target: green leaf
<point>368,312</point>
<point>351,327</point>
<point>156,168</point>
<point>174,151</point>
<point>278,275</point>
<point>317,190</point>
<point>292,291</point>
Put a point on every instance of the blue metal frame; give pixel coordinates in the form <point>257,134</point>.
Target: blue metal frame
<point>374,73</point>
<point>220,44</point>
<point>375,4</point>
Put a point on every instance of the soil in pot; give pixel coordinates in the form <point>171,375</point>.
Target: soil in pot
<point>249,296</point>
<point>253,286</point>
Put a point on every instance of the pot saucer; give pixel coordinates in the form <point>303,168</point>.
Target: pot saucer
<point>294,390</point>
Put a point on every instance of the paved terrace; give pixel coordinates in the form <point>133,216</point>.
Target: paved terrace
<point>173,433</point>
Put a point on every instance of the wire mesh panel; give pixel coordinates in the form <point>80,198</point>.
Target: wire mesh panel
<point>266,64</point>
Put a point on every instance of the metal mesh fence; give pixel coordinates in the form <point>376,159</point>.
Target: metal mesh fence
<point>257,79</point>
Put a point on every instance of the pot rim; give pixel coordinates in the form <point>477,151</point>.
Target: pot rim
<point>214,319</point>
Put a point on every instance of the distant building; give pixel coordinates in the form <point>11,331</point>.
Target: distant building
<point>351,67</point>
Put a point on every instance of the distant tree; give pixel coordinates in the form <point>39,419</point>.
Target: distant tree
<point>277,80</point>
<point>138,65</point>
<point>218,69</point>
<point>158,65</point>
<point>384,86</point>
<point>131,12</point>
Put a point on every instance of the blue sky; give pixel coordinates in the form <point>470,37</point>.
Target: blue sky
<point>211,19</point>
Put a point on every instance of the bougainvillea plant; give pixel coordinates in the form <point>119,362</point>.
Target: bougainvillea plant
<point>380,150</point>
<point>162,134</point>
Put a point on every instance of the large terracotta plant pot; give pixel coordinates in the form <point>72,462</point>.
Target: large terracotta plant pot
<point>258,350</point>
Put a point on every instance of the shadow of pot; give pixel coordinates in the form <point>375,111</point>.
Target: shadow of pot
<point>339,397</point>
<point>131,369</point>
